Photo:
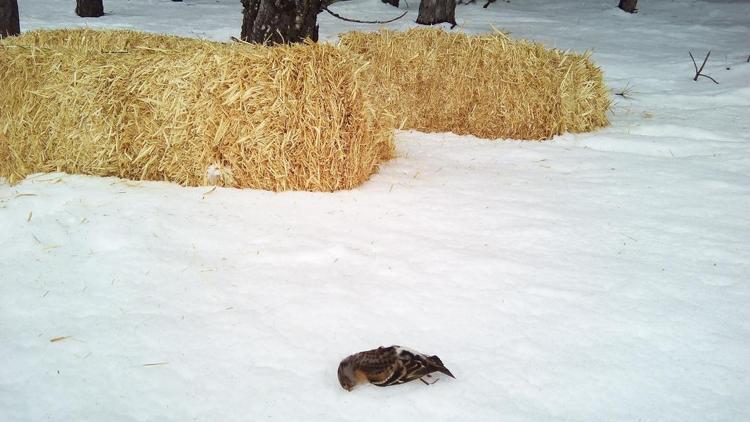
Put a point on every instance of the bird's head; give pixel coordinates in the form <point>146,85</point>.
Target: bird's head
<point>346,375</point>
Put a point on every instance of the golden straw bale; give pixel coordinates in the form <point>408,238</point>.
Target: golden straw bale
<point>121,40</point>
<point>153,107</point>
<point>489,86</point>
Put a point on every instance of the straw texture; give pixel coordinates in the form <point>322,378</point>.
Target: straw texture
<point>489,86</point>
<point>155,107</point>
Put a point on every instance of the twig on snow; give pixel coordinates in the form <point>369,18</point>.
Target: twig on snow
<point>625,92</point>
<point>699,72</point>
<point>156,364</point>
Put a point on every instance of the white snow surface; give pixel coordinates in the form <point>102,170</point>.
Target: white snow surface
<point>594,277</point>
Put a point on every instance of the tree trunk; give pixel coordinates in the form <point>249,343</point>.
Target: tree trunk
<point>391,2</point>
<point>432,12</point>
<point>9,18</point>
<point>89,8</point>
<point>280,21</point>
<point>629,6</point>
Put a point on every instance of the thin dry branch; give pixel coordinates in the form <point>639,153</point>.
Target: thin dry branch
<point>699,72</point>
<point>625,92</point>
<point>359,21</point>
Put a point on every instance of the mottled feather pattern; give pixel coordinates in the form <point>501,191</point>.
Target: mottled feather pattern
<point>386,366</point>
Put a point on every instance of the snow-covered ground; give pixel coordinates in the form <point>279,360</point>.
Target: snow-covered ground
<point>595,277</point>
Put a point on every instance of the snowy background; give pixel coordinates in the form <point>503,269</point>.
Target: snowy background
<point>595,277</point>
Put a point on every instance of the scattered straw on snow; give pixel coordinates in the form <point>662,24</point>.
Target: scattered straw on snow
<point>153,107</point>
<point>489,86</point>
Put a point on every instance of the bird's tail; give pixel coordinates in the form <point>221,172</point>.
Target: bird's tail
<point>437,365</point>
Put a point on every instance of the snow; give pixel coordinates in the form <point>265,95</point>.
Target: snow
<point>600,276</point>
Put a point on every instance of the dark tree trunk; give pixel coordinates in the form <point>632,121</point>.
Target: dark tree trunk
<point>629,6</point>
<point>89,8</point>
<point>391,2</point>
<point>432,12</point>
<point>9,18</point>
<point>280,21</point>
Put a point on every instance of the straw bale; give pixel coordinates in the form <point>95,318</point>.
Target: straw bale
<point>490,86</point>
<point>153,107</point>
<point>85,39</point>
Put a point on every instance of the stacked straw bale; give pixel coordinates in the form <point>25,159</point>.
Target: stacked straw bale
<point>489,86</point>
<point>154,107</point>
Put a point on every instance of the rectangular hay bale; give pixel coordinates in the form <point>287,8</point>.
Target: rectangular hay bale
<point>155,107</point>
<point>490,86</point>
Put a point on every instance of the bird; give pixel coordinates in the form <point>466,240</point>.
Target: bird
<point>386,366</point>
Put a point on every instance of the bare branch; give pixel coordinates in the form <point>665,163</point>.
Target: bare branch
<point>703,64</point>
<point>695,66</point>
<point>699,72</point>
<point>359,21</point>
<point>626,91</point>
<point>706,76</point>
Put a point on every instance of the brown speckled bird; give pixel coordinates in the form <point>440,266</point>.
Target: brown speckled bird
<point>386,366</point>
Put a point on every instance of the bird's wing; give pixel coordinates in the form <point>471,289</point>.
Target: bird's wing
<point>415,366</point>
<point>378,364</point>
